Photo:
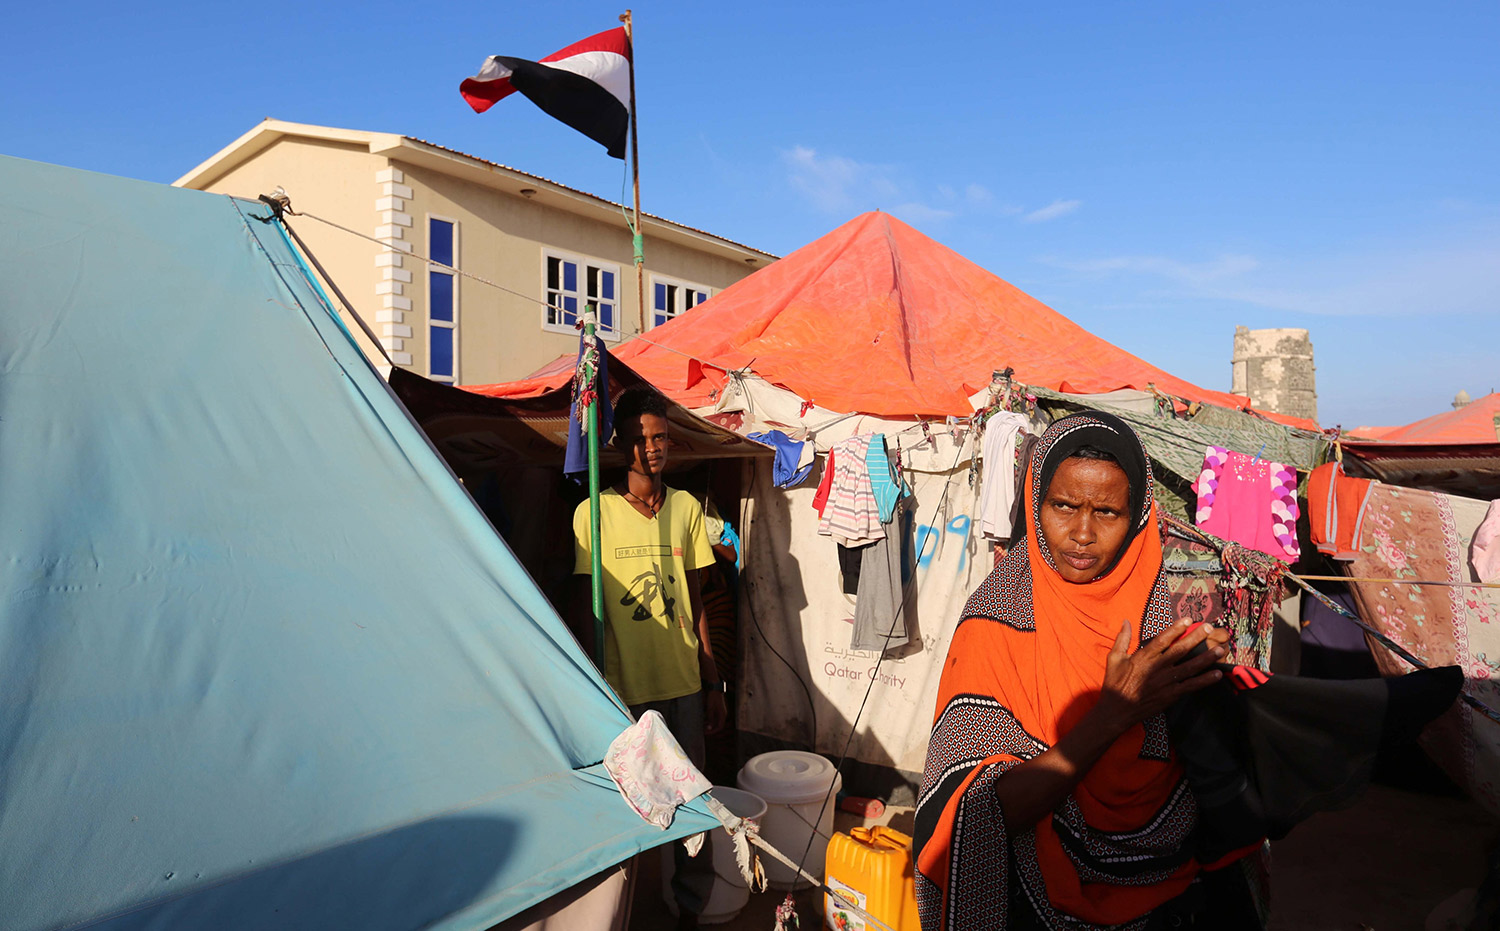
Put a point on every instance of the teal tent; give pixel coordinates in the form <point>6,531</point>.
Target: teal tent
<point>263,664</point>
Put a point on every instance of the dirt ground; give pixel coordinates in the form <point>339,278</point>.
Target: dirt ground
<point>1386,864</point>
<point>1396,861</point>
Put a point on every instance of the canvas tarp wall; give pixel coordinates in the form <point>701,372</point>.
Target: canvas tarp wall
<point>791,585</point>
<point>792,603</point>
<point>262,662</point>
<point>1456,452</point>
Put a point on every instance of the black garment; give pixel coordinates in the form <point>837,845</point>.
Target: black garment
<point>1219,900</point>
<point>1262,752</point>
<point>1018,505</point>
<point>850,558</point>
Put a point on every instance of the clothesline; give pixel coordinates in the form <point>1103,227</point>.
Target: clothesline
<point>1385,641</point>
<point>1390,644</point>
<point>1360,578</point>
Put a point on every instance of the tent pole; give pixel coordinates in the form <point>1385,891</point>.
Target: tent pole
<point>639,240</point>
<point>596,557</point>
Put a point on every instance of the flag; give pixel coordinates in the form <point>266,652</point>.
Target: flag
<point>576,459</point>
<point>586,85</point>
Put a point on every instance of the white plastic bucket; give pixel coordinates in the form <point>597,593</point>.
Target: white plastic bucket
<point>728,895</point>
<point>794,784</point>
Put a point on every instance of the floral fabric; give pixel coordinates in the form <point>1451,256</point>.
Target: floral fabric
<point>652,771</point>
<point>1420,535</point>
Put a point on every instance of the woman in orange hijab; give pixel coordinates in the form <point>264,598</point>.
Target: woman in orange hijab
<point>1051,797</point>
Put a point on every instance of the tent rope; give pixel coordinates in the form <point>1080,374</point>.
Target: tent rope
<point>481,279</point>
<point>1361,578</point>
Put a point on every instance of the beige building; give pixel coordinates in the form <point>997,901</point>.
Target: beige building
<point>547,248</point>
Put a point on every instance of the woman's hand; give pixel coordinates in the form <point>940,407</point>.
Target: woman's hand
<point>1140,684</point>
<point>1135,687</point>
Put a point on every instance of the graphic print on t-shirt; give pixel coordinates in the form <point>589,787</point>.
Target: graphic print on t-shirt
<point>643,592</point>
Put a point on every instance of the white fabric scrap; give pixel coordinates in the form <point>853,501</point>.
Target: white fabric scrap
<point>998,491</point>
<point>742,833</point>
<point>805,458</point>
<point>651,771</point>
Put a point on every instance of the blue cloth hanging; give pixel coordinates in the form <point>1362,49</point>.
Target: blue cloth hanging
<point>885,481</point>
<point>785,471</point>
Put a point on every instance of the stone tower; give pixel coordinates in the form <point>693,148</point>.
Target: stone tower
<point>1275,369</point>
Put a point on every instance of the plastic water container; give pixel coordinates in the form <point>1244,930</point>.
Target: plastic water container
<point>873,868</point>
<point>729,894</point>
<point>794,785</point>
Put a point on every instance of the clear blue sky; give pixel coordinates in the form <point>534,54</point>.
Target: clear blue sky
<point>1159,172</point>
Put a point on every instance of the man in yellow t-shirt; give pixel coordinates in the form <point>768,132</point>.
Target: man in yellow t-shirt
<point>657,654</point>
<point>653,542</point>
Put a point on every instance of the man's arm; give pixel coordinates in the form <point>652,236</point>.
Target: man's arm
<point>725,552</point>
<point>715,711</point>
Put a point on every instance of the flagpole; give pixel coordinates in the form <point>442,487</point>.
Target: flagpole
<point>635,171</point>
<point>591,421</point>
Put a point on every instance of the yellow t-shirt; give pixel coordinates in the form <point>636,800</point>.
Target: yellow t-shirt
<point>650,646</point>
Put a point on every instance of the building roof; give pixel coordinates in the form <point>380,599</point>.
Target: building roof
<point>469,167</point>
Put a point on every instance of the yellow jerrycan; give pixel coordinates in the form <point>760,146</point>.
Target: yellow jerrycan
<point>873,868</point>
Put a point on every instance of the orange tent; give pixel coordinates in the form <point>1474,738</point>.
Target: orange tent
<point>877,318</point>
<point>1475,422</point>
<point>1457,452</point>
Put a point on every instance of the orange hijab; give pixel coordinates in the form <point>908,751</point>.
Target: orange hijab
<point>1024,666</point>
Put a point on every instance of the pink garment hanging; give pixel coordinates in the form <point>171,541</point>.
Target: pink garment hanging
<point>1485,550</point>
<point>1249,501</point>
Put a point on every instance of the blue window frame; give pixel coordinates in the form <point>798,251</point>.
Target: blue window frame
<point>573,283</point>
<point>442,301</point>
<point>670,299</point>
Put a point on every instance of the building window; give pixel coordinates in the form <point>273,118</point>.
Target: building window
<point>572,283</point>
<point>671,298</point>
<point>442,301</point>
